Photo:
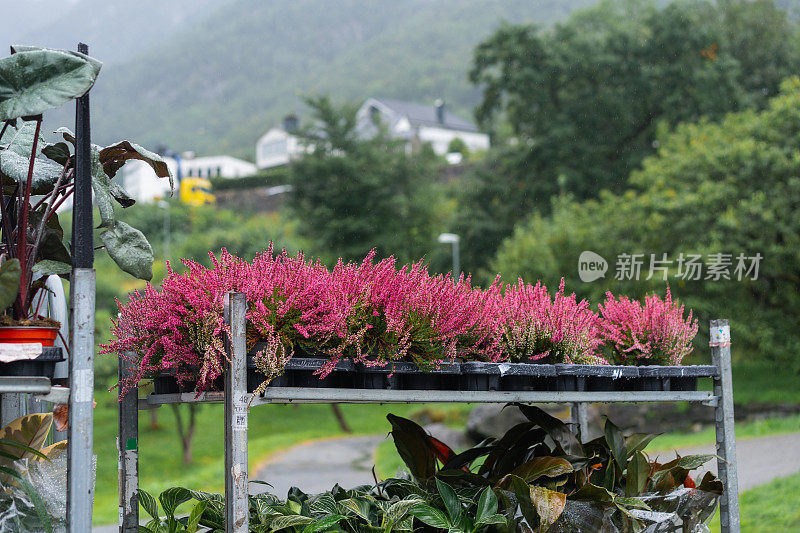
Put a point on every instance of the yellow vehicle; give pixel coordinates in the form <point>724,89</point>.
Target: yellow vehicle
<point>196,191</point>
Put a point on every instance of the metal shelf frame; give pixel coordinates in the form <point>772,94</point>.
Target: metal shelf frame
<point>237,401</point>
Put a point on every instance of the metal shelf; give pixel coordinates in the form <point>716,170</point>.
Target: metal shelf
<point>321,395</point>
<point>24,384</point>
<point>237,402</point>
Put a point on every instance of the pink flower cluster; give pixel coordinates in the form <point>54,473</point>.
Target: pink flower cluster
<point>552,330</point>
<point>655,333</point>
<point>374,313</point>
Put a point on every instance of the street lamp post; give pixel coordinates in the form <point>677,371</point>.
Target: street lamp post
<point>452,238</point>
<point>165,206</point>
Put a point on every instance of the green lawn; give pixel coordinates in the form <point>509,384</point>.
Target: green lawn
<point>271,428</point>
<point>771,507</point>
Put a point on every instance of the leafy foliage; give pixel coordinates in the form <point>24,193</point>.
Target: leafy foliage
<point>34,80</point>
<point>523,481</point>
<point>354,195</point>
<point>713,188</point>
<point>583,103</point>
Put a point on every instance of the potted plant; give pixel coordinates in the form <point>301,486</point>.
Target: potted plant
<point>38,177</point>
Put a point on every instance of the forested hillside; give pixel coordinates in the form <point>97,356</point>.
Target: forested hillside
<point>216,81</point>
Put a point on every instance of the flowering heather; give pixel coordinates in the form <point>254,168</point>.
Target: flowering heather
<point>375,313</point>
<point>537,327</point>
<point>654,333</point>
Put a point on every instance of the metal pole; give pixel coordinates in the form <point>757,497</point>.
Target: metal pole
<point>456,259</point>
<point>724,421</point>
<point>580,418</point>
<point>128,446</point>
<point>82,223</point>
<point>237,507</point>
<point>80,486</point>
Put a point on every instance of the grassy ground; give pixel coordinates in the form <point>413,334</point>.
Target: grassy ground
<point>771,507</point>
<point>273,428</point>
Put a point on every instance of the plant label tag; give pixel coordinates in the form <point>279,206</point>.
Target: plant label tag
<point>19,351</point>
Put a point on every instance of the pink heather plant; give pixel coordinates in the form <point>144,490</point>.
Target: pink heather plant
<point>552,330</point>
<point>653,333</point>
<point>373,313</point>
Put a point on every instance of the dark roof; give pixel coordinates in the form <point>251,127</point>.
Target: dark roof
<point>419,114</point>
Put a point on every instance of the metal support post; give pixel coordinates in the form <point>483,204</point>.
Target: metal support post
<point>128,446</point>
<point>80,489</point>
<point>726,438</point>
<point>580,417</point>
<point>80,486</point>
<point>237,507</point>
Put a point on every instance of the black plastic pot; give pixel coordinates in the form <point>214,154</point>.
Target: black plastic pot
<point>44,365</point>
<point>302,371</point>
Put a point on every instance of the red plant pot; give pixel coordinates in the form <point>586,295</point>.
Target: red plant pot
<point>28,334</point>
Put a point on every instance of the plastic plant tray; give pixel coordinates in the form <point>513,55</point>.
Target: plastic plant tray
<point>44,365</point>
<point>470,376</point>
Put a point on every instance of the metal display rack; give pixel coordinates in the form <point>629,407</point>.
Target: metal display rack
<point>237,399</point>
<point>79,394</point>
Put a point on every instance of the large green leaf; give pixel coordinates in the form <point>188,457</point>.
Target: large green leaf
<point>45,172</point>
<point>542,466</point>
<point>114,156</point>
<point>637,474</point>
<point>29,430</point>
<point>171,498</point>
<point>637,442</point>
<point>128,247</point>
<point>616,443</point>
<point>149,504</point>
<point>431,516</point>
<point>9,282</point>
<point>558,430</point>
<point>282,522</point>
<point>452,503</point>
<point>35,80</point>
<point>398,511</point>
<point>413,447</point>
<point>48,267</point>
<point>51,247</point>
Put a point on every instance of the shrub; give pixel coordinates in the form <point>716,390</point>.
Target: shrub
<point>653,333</point>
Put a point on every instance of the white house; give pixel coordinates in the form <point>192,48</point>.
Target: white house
<point>215,166</point>
<point>144,186</point>
<point>142,183</point>
<point>419,124</point>
<point>279,145</point>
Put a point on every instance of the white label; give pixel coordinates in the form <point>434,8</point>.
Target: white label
<point>504,367</point>
<point>19,351</point>
<point>721,334</point>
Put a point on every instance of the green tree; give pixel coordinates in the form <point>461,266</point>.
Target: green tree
<point>729,187</point>
<point>351,194</point>
<point>584,101</point>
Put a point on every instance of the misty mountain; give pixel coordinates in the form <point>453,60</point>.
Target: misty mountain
<point>213,76</point>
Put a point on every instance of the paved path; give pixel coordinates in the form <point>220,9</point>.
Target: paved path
<point>314,467</point>
<point>760,460</point>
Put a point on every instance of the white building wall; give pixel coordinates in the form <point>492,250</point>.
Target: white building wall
<point>276,148</point>
<point>142,183</point>
<point>217,166</point>
<point>440,139</point>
